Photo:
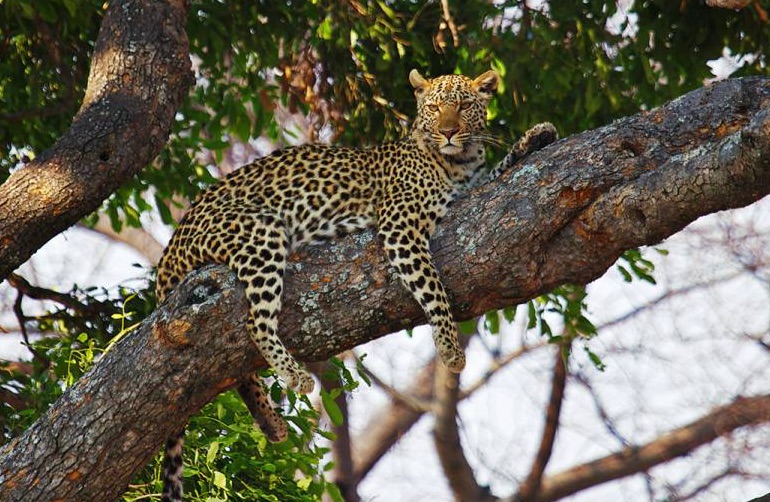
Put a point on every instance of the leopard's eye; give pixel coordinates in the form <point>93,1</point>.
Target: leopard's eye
<point>465,105</point>
<point>432,107</point>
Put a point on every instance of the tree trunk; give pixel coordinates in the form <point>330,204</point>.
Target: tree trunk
<point>140,74</point>
<point>564,216</point>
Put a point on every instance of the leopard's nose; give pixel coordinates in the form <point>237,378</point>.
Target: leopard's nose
<point>448,132</point>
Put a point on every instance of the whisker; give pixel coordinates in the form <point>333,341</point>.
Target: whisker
<point>490,139</point>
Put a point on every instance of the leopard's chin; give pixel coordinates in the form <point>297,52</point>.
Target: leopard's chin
<point>450,149</point>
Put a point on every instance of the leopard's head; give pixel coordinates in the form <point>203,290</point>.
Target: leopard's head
<point>452,109</point>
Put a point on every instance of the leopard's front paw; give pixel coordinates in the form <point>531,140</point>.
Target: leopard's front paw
<point>305,382</point>
<point>299,380</point>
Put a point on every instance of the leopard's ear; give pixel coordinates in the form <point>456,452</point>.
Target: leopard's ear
<point>419,82</point>
<point>486,83</point>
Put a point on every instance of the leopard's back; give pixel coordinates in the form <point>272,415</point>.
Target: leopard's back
<point>313,192</point>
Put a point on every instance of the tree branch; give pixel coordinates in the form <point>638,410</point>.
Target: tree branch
<point>392,423</point>
<point>407,407</point>
<point>531,486</point>
<point>140,392</point>
<point>565,216</point>
<point>446,438</point>
<point>140,73</point>
<point>720,422</point>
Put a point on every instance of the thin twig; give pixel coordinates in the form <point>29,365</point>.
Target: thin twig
<point>414,403</point>
<point>497,365</point>
<point>37,293</point>
<point>450,23</point>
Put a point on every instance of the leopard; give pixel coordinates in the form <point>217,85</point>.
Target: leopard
<point>255,217</point>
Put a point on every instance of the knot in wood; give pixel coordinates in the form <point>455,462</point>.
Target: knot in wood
<point>173,332</point>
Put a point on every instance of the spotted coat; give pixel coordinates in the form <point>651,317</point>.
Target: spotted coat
<point>254,217</point>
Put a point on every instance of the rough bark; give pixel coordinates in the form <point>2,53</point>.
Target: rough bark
<point>565,216</point>
<point>140,73</point>
<point>108,425</point>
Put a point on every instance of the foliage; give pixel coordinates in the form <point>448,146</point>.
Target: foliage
<point>227,458</point>
<point>43,70</point>
<point>344,66</point>
<point>82,331</point>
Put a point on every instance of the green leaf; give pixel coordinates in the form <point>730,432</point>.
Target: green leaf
<point>595,359</point>
<point>334,412</point>
<point>112,212</point>
<point>165,212</point>
<point>545,328</point>
<point>625,273</point>
<point>585,327</point>
<point>325,29</point>
<point>499,66</point>
<point>492,322</point>
<point>211,454</point>
<point>468,327</point>
<point>531,315</point>
<point>220,481</point>
<point>334,492</point>
<point>509,313</point>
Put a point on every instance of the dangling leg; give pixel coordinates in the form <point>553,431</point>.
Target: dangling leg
<point>260,262</point>
<point>258,402</point>
<point>408,252</point>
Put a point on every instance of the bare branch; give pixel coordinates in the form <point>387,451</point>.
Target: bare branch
<point>392,423</point>
<point>743,411</point>
<point>38,293</point>
<point>409,400</point>
<point>446,438</point>
<point>529,489</point>
<point>729,4</point>
<point>450,23</point>
<point>406,408</point>
<point>498,365</point>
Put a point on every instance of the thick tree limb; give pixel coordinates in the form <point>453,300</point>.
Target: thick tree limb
<point>565,216</point>
<point>140,73</point>
<point>108,425</point>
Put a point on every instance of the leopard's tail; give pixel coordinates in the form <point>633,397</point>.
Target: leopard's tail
<point>172,468</point>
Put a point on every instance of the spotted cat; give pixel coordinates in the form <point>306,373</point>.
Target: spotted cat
<point>254,217</point>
